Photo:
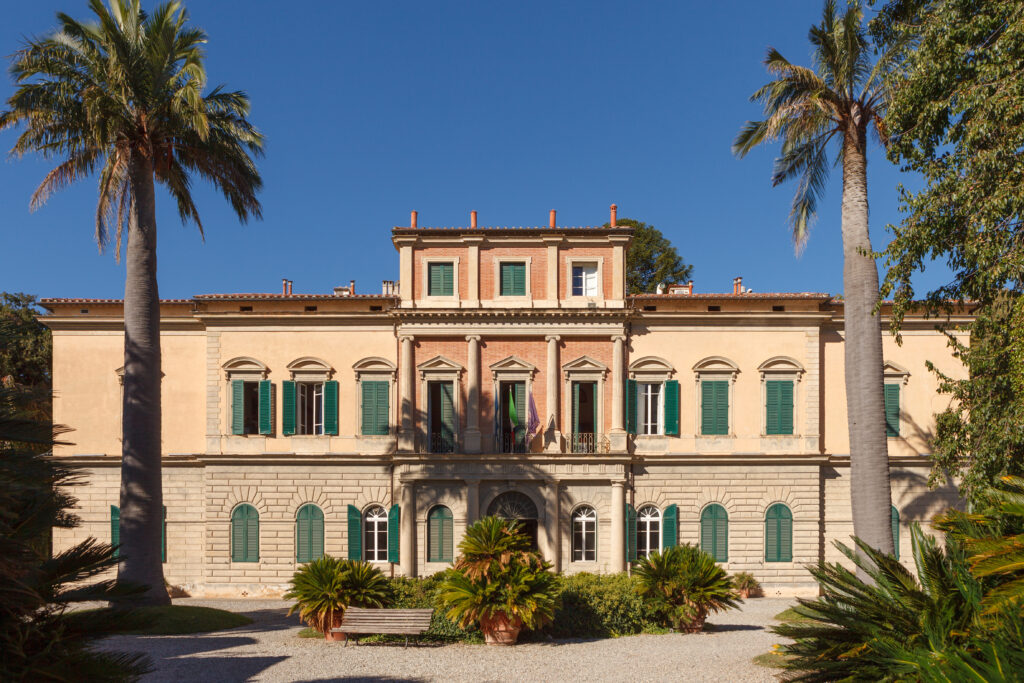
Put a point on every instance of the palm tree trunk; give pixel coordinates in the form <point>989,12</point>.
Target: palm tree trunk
<point>870,494</point>
<point>141,486</point>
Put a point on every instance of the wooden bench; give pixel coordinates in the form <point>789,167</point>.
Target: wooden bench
<point>405,622</point>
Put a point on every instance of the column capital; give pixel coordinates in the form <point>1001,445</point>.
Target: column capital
<point>472,337</point>
<point>552,337</point>
<point>618,337</point>
<point>618,483</point>
<point>406,337</point>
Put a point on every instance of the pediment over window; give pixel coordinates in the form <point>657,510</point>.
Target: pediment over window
<point>781,365</point>
<point>585,364</point>
<point>311,368</point>
<point>894,372</point>
<point>716,364</point>
<point>651,367</point>
<point>245,365</point>
<point>439,365</point>
<point>513,364</point>
<point>376,365</point>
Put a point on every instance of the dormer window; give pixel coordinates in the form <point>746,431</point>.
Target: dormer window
<point>584,279</point>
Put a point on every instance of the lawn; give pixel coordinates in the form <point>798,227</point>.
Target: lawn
<point>171,620</point>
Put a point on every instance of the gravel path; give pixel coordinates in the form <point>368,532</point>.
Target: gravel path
<point>269,650</point>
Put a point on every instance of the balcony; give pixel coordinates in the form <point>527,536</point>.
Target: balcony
<point>439,444</point>
<point>587,442</point>
<point>513,442</point>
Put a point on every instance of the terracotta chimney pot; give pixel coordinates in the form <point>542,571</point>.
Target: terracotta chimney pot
<point>472,219</point>
<point>284,285</point>
<point>412,219</point>
<point>615,215</point>
<point>737,285</point>
<point>551,219</point>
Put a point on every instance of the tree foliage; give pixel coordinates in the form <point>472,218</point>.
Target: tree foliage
<point>25,356</point>
<point>651,259</point>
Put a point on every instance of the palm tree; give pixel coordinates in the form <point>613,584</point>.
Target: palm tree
<point>842,99</point>
<point>124,95</point>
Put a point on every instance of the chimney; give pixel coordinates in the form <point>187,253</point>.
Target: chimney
<point>284,285</point>
<point>737,285</point>
<point>615,216</point>
<point>412,220</point>
<point>289,288</point>
<point>689,287</point>
<point>551,219</point>
<point>472,219</point>
<point>351,287</point>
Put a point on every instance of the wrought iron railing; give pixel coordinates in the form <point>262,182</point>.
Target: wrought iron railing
<point>587,442</point>
<point>441,443</point>
<point>512,442</point>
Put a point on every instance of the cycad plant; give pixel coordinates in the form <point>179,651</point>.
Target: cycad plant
<point>842,100</point>
<point>123,96</point>
<point>324,588</point>
<point>684,584</point>
<point>40,638</point>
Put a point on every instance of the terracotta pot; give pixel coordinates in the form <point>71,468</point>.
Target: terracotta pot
<point>334,637</point>
<point>500,629</point>
<point>745,593</point>
<point>695,626</point>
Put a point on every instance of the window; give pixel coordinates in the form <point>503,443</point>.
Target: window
<point>441,416</point>
<point>895,515</point>
<point>440,279</point>
<point>513,279</point>
<point>516,505</point>
<point>375,405</point>
<point>584,279</point>
<point>513,416</point>
<point>250,407</point>
<point>779,407</point>
<point>245,534</point>
<point>375,535</point>
<point>648,531</point>
<point>649,404</point>
<point>309,408</point>
<point>714,407</point>
<point>439,535</point>
<point>892,409</point>
<point>778,534</point>
<point>309,534</point>
<point>714,532</point>
<point>584,535</point>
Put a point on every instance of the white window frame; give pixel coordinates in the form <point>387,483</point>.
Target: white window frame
<point>573,261</point>
<point>302,391</point>
<point>715,369</point>
<point>584,516</point>
<point>375,515</point>
<point>781,368</point>
<point>643,399</point>
<point>653,516</point>
<point>528,292</point>
<point>425,262</point>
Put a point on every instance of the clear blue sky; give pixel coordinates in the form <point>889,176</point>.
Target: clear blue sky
<point>372,109</point>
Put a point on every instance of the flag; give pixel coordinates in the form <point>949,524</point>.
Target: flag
<point>533,421</point>
<point>513,416</point>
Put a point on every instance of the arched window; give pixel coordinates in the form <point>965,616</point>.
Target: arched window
<point>245,534</point>
<point>375,534</point>
<point>439,535</point>
<point>309,534</point>
<point>896,531</point>
<point>520,507</point>
<point>714,532</point>
<point>584,534</point>
<point>648,531</point>
<point>778,534</point>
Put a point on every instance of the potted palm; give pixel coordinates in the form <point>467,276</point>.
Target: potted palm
<point>684,584</point>
<point>323,589</point>
<point>498,583</point>
<point>746,585</point>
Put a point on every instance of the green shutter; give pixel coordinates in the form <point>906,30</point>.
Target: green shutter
<point>245,534</point>
<point>722,535</point>
<point>115,529</point>
<point>266,408</point>
<point>238,534</point>
<point>707,530</point>
<point>895,515</point>
<point>331,408</point>
<point>382,408</point>
<point>434,279</point>
<point>237,406</point>
<point>375,408</point>
<point>672,407</point>
<point>302,554</point>
<point>722,408</point>
<point>892,409</point>
<point>163,537</point>
<point>252,536</point>
<point>771,394</point>
<point>441,280</point>
<point>394,516</point>
<point>778,534</point>
<point>439,532</point>
<point>779,407</point>
<point>714,532</point>
<point>309,533</point>
<point>707,408</point>
<point>448,281</point>
<point>670,527</point>
<point>448,413</point>
<point>630,406</point>
<point>630,533</point>
<point>714,409</point>
<point>786,407</point>
<point>288,408</point>
<point>513,279</point>
<point>355,533</point>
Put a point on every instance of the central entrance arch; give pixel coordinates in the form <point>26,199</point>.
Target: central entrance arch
<point>520,507</point>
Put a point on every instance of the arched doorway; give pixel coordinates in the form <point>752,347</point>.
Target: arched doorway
<point>520,507</point>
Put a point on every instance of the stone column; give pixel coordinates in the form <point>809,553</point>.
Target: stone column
<point>471,444</point>
<point>552,524</point>
<point>617,437</point>
<point>406,382</point>
<point>472,500</point>
<point>552,436</point>
<point>618,541</point>
<point>407,522</point>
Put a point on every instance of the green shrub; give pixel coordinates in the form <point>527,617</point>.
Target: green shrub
<point>745,582</point>
<point>324,588</point>
<point>422,594</point>
<point>683,584</point>
<point>599,606</point>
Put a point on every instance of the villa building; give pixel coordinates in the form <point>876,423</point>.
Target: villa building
<point>507,371</point>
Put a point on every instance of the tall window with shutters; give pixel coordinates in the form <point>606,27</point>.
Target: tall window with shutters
<point>441,279</point>
<point>714,407</point>
<point>309,408</point>
<point>778,407</point>
<point>892,410</point>
<point>375,534</point>
<point>648,531</point>
<point>309,533</point>
<point>714,532</point>
<point>441,416</point>
<point>251,407</point>
<point>440,536</point>
<point>375,408</point>
<point>245,534</point>
<point>512,278</point>
<point>584,534</point>
<point>584,279</point>
<point>778,534</point>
